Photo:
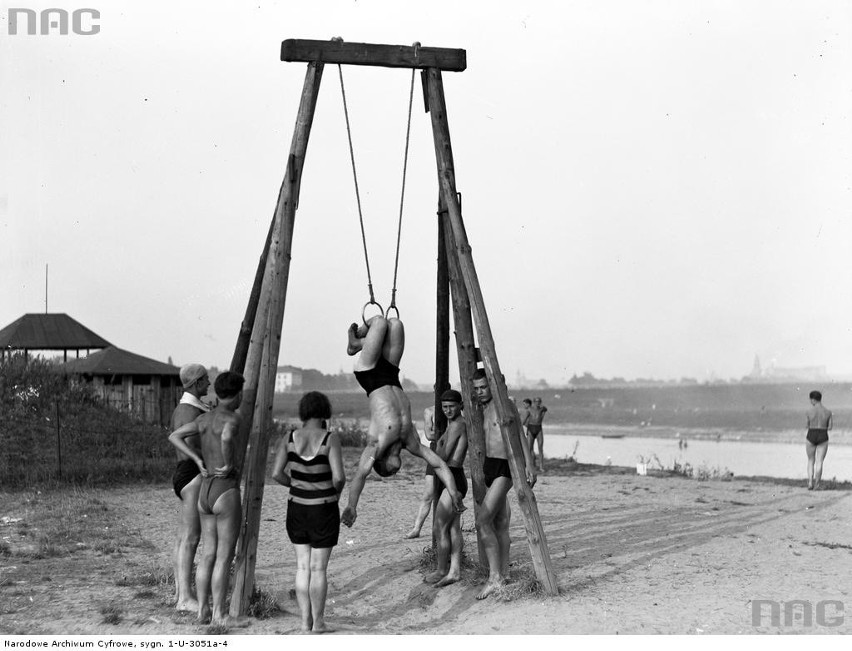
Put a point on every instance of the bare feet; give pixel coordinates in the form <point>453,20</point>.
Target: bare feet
<point>432,577</point>
<point>452,577</point>
<point>355,344</point>
<point>204,615</point>
<point>414,533</point>
<point>490,588</point>
<point>187,606</point>
<point>320,628</point>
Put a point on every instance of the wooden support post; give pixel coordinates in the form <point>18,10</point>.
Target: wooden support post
<point>509,425</point>
<point>442,330</point>
<point>466,353</point>
<point>269,318</point>
<point>238,361</point>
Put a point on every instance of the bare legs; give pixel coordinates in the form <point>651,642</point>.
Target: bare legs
<point>540,440</point>
<point>189,531</point>
<point>219,532</point>
<point>449,539</point>
<point>312,586</point>
<point>493,524</point>
<point>382,338</point>
<point>424,508</point>
<point>816,457</point>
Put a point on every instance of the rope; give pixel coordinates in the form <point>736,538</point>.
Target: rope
<point>402,194</point>
<point>357,192</point>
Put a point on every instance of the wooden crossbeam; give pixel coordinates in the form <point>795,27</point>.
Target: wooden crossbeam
<point>371,54</point>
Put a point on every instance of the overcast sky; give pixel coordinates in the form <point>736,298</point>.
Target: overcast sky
<point>651,189</point>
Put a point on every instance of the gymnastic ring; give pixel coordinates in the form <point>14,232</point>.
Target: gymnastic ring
<point>364,310</point>
<point>392,307</point>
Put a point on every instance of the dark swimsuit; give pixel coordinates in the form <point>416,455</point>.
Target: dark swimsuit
<point>186,471</point>
<point>458,477</point>
<point>493,468</point>
<point>383,374</point>
<point>212,488</point>
<point>817,435</point>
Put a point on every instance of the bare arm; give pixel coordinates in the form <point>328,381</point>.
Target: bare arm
<point>441,470</point>
<point>177,438</point>
<point>278,468</point>
<point>365,465</point>
<point>830,421</point>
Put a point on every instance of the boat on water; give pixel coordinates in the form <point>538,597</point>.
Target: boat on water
<point>612,436</point>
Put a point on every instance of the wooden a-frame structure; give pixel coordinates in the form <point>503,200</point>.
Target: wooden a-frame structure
<point>256,353</point>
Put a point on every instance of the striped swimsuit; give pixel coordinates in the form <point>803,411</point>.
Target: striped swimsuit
<point>313,516</point>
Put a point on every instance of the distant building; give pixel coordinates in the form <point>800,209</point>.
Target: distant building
<point>143,387</point>
<point>288,378</point>
<point>776,374</point>
<point>35,333</point>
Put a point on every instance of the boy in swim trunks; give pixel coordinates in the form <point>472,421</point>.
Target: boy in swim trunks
<point>452,448</point>
<point>186,481</point>
<point>816,443</point>
<point>218,496</point>
<point>533,421</point>
<point>493,518</point>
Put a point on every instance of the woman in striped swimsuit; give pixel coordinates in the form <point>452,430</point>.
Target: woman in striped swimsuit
<point>310,462</point>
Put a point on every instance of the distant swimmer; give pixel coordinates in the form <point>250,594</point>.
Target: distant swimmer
<point>816,441</point>
<point>533,422</point>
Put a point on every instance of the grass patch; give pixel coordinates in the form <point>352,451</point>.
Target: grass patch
<point>112,614</point>
<point>54,524</point>
<point>262,605</point>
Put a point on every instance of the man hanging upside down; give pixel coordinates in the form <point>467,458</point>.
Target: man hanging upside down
<point>379,345</point>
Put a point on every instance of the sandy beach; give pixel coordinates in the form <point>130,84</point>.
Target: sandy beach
<point>633,555</point>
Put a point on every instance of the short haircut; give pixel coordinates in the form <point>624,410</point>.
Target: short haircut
<point>527,401</point>
<point>815,395</point>
<point>479,374</point>
<point>381,468</point>
<point>314,405</point>
<point>228,384</point>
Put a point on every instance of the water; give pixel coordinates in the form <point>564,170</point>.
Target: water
<point>786,460</point>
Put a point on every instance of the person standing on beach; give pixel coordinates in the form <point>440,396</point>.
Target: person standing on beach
<point>310,462</point>
<point>494,516</point>
<point>218,496</point>
<point>428,494</point>
<point>816,441</point>
<point>186,481</point>
<point>534,421</point>
<point>452,448</point>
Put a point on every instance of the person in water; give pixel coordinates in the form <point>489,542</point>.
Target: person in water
<point>379,345</point>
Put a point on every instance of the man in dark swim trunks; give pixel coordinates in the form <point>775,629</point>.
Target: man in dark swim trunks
<point>186,481</point>
<point>452,448</point>
<point>379,345</point>
<point>534,422</point>
<point>494,517</point>
<point>218,496</point>
<point>816,443</point>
